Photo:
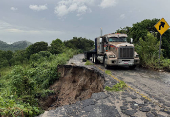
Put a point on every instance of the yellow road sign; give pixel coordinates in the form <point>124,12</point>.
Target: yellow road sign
<point>162,26</point>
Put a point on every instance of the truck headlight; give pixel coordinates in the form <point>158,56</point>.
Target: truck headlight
<point>112,56</point>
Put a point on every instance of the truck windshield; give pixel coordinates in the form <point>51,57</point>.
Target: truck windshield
<point>115,39</point>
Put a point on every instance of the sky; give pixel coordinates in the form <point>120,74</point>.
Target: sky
<point>47,20</point>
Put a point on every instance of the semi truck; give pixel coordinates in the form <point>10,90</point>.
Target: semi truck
<point>113,50</point>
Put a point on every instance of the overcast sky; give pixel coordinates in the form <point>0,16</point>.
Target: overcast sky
<point>47,20</point>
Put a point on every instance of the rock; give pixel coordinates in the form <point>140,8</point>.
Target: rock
<point>153,112</point>
<point>133,97</point>
<point>150,115</point>
<point>100,95</point>
<point>123,107</point>
<point>88,102</point>
<point>167,104</point>
<point>166,111</point>
<point>133,106</point>
<point>129,112</point>
<point>160,115</point>
<point>144,109</point>
<point>89,108</point>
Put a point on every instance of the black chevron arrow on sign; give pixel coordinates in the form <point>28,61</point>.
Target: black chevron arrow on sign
<point>161,25</point>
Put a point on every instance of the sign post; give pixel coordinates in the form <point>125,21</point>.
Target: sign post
<point>162,26</point>
<point>160,49</point>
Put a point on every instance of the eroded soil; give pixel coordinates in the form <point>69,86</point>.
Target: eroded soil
<point>75,84</point>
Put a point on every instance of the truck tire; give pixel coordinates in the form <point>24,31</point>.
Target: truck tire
<point>88,56</point>
<point>95,59</point>
<point>104,63</point>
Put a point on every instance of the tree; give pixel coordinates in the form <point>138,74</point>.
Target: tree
<point>36,47</point>
<point>140,29</point>
<point>125,30</point>
<point>80,43</point>
<point>19,57</point>
<point>148,49</point>
<point>165,44</point>
<point>57,46</point>
<point>8,55</point>
<point>3,59</point>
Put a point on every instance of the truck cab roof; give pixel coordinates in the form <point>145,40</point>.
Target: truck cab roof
<point>115,35</point>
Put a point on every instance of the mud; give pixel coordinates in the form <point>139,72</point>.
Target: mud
<point>75,84</point>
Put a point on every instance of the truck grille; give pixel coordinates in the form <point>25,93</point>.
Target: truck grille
<point>126,52</point>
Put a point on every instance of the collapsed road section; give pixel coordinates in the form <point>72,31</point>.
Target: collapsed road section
<point>75,84</point>
<point>127,103</point>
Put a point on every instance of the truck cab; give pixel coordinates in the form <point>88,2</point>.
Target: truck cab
<point>114,50</point>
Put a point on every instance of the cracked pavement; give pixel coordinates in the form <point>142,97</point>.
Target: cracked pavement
<point>128,103</point>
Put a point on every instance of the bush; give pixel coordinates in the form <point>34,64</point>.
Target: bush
<point>21,82</point>
<point>166,64</point>
<point>148,50</point>
<point>9,107</point>
<point>26,83</point>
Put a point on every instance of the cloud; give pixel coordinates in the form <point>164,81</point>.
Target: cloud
<point>73,7</point>
<point>38,8</point>
<point>67,6</point>
<point>61,10</point>
<point>8,28</point>
<point>82,9</point>
<point>107,3</point>
<point>4,25</point>
<point>122,16</point>
<point>15,30</point>
<point>14,9</point>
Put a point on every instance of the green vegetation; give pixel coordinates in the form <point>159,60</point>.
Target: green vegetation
<point>25,76</point>
<point>88,63</point>
<point>146,40</point>
<point>20,45</point>
<point>108,72</point>
<point>148,51</point>
<point>117,87</point>
<point>57,46</point>
<point>80,43</point>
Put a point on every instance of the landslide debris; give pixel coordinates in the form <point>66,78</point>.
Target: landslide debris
<point>76,83</point>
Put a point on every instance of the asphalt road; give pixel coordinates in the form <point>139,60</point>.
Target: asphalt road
<point>147,95</point>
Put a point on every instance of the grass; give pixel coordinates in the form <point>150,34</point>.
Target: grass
<point>88,63</point>
<point>108,72</point>
<point>117,87</point>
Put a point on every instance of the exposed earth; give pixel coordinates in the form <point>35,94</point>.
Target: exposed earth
<point>79,92</point>
<point>75,84</point>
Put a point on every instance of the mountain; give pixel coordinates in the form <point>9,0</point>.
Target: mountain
<point>20,45</point>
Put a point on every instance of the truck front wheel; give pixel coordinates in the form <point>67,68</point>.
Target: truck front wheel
<point>105,63</point>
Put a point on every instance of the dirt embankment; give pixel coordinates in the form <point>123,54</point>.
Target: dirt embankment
<point>75,84</point>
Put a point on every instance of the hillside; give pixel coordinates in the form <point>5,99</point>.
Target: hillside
<point>20,45</point>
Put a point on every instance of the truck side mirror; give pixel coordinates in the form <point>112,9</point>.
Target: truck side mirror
<point>131,40</point>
